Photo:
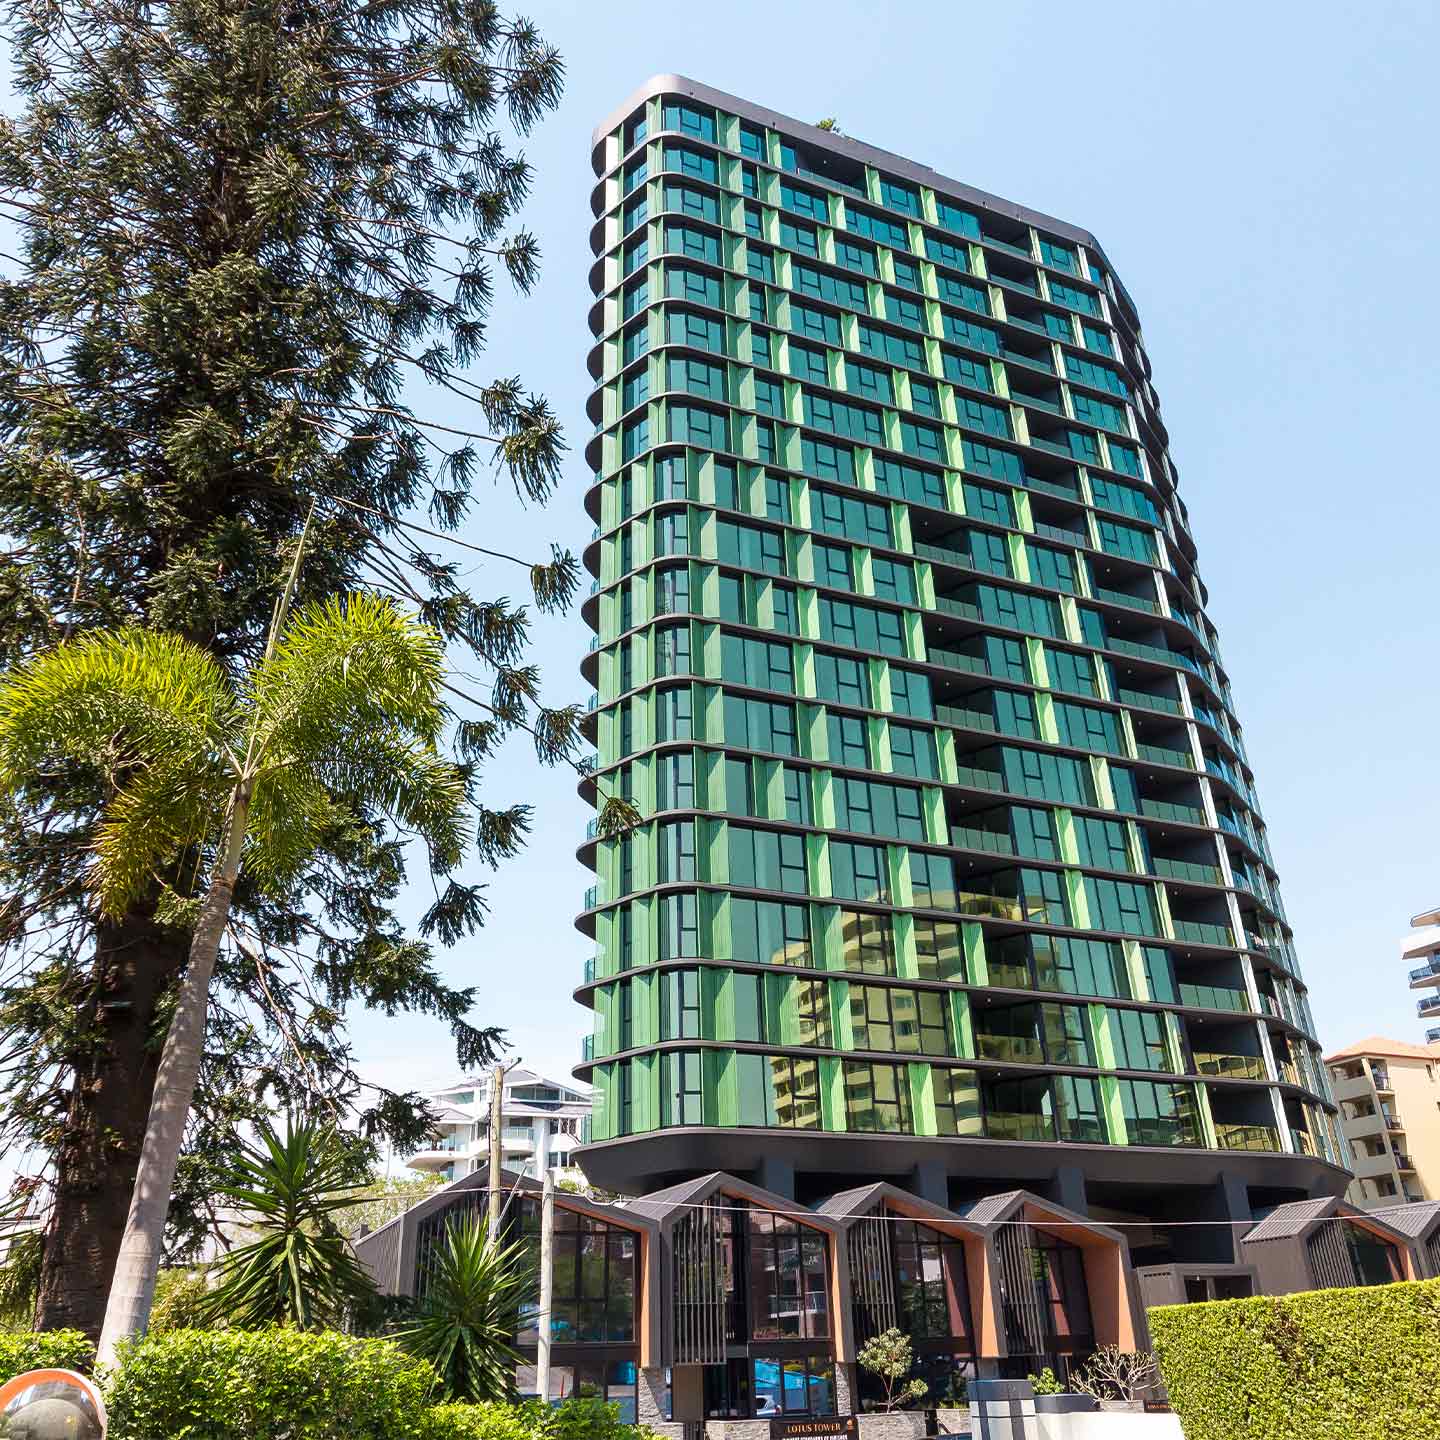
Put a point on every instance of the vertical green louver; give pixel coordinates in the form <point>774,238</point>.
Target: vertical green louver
<point>949,840</point>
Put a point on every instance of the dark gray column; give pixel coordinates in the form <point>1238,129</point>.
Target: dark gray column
<point>777,1174</point>
<point>1068,1189</point>
<point>929,1181</point>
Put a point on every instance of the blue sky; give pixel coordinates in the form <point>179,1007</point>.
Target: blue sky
<point>1263,178</point>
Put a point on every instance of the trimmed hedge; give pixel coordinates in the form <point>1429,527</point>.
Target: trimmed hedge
<point>268,1385</point>
<point>574,1420</point>
<point>1361,1364</point>
<point>23,1350</point>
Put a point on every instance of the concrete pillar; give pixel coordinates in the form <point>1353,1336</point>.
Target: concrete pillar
<point>1067,1188</point>
<point>930,1182</point>
<point>1227,1201</point>
<point>777,1174</point>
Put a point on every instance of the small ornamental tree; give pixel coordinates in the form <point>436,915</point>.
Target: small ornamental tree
<point>1115,1374</point>
<point>888,1357</point>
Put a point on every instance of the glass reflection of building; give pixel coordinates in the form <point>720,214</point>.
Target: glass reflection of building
<point>913,1277</point>
<point>779,1357</point>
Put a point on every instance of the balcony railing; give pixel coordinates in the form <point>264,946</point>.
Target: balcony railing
<point>1381,1076</point>
<point>1426,972</point>
<point>587,1048</point>
<point>1011,977</point>
<point>966,719</point>
<point>1143,700</point>
<point>1187,870</point>
<point>955,660</point>
<point>1229,1067</point>
<point>1304,1142</point>
<point>1430,1005</point>
<point>1164,810</point>
<point>1049,487</point>
<point>979,779</point>
<point>1164,755</point>
<point>1061,533</point>
<point>1202,932</point>
<point>999,907</point>
<point>1001,1125</point>
<point>1247,1137</point>
<point>948,605</point>
<point>996,842</point>
<point>592,966</point>
<point>1131,602</point>
<point>1213,997</point>
<point>1403,1161</point>
<point>1024,1049</point>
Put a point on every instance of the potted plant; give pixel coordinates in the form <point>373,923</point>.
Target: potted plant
<point>888,1356</point>
<point>1052,1398</point>
<point>1118,1378</point>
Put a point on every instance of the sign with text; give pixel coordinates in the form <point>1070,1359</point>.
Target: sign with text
<point>814,1427</point>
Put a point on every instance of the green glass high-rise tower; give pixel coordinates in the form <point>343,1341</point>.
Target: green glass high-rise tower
<point>951,870</point>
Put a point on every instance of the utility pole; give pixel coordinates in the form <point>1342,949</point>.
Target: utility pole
<point>547,1284</point>
<point>497,1104</point>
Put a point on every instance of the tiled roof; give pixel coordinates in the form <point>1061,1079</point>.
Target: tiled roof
<point>1379,1045</point>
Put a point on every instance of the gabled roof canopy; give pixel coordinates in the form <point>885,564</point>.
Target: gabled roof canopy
<point>1300,1217</point>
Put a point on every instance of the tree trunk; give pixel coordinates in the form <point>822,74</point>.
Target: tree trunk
<point>132,1289</point>
<point>95,1161</point>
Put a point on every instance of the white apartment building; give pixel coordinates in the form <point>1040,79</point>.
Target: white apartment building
<point>541,1124</point>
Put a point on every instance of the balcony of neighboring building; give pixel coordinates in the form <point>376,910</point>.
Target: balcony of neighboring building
<point>442,1151</point>
<point>1351,1080</point>
<point>1371,1155</point>
<point>1422,950</point>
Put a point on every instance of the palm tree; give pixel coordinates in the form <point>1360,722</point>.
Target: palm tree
<point>299,1270</point>
<point>467,1317</point>
<point>343,713</point>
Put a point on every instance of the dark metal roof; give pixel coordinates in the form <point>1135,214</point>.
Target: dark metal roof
<point>851,1205</point>
<point>995,1207</point>
<point>1415,1220</point>
<point>1285,1221</point>
<point>663,1205</point>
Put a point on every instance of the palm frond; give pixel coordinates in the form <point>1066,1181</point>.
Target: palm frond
<point>299,1270</point>
<point>468,1315</point>
<point>347,665</point>
<point>115,699</point>
<point>154,716</point>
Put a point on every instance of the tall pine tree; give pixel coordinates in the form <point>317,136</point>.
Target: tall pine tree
<point>253,246</point>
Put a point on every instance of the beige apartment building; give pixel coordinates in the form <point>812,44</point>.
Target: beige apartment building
<point>1389,1096</point>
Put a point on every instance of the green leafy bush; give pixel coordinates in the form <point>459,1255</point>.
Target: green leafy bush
<point>1326,1365</point>
<point>493,1420</point>
<point>180,1299</point>
<point>24,1350</point>
<point>278,1384</point>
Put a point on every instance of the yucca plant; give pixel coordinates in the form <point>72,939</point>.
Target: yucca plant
<point>343,713</point>
<point>298,1270</point>
<point>466,1320</point>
